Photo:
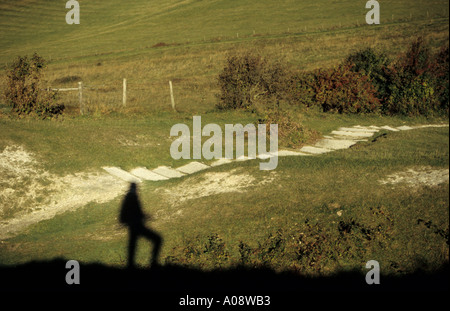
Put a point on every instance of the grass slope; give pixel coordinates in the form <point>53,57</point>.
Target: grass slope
<point>305,188</point>
<point>116,40</point>
<point>114,26</point>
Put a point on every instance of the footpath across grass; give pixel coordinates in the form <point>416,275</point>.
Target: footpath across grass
<point>313,215</point>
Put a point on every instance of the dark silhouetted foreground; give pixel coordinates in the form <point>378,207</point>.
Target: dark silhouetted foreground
<point>50,275</point>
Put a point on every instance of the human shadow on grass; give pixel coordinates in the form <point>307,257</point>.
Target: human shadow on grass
<point>132,216</point>
<point>51,275</point>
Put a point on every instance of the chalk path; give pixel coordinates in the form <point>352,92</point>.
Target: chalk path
<point>115,181</point>
<point>342,138</point>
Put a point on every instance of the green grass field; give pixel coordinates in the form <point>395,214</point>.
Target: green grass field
<point>116,40</point>
<point>335,198</point>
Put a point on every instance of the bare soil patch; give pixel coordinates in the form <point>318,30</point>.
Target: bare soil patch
<point>212,183</point>
<point>29,194</point>
<point>415,177</point>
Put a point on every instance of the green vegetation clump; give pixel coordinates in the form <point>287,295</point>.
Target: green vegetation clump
<point>25,93</point>
<point>342,90</point>
<point>414,84</point>
<point>291,132</point>
<point>366,82</point>
<point>419,82</point>
<point>252,83</point>
<point>375,66</point>
<point>249,81</point>
<point>311,248</point>
<point>206,253</point>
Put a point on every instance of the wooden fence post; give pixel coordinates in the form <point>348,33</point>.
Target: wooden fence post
<point>80,96</point>
<point>171,96</point>
<point>124,97</point>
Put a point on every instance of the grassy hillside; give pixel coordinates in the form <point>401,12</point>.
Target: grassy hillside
<point>335,199</point>
<point>150,43</point>
<point>117,26</point>
<point>403,227</point>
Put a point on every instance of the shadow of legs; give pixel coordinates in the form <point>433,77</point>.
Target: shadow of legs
<point>150,235</point>
<point>157,241</point>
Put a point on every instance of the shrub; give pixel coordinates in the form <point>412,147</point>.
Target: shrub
<point>302,89</point>
<point>342,90</point>
<point>248,80</point>
<point>440,72</point>
<point>375,66</point>
<point>25,91</point>
<point>366,82</point>
<point>417,60</point>
<point>291,133</point>
<point>418,85</point>
<point>252,83</point>
<point>411,96</point>
<point>203,252</point>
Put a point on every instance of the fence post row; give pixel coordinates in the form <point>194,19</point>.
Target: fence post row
<point>124,94</point>
<point>171,96</point>
<point>124,97</point>
<point>80,96</point>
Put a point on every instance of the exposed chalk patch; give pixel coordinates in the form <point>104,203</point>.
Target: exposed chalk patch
<point>335,144</point>
<point>314,150</point>
<point>243,158</point>
<point>120,173</point>
<point>284,153</point>
<point>192,167</point>
<point>404,128</point>
<point>146,174</point>
<point>414,177</point>
<point>221,161</point>
<point>264,156</point>
<point>430,125</point>
<point>357,129</point>
<point>352,134</point>
<point>213,183</point>
<point>168,172</point>
<point>387,127</point>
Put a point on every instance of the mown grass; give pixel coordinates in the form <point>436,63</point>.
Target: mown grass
<point>117,40</point>
<point>115,26</point>
<point>120,43</point>
<point>78,144</point>
<point>305,188</point>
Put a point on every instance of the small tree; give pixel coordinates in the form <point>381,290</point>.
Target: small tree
<point>374,65</point>
<point>248,80</point>
<point>414,87</point>
<point>25,92</point>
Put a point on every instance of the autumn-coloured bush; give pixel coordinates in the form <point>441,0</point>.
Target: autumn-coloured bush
<point>342,90</point>
<point>376,66</point>
<point>291,132</point>
<point>419,82</point>
<point>248,80</point>
<point>367,81</point>
<point>440,72</point>
<point>252,83</point>
<point>302,89</point>
<point>25,92</point>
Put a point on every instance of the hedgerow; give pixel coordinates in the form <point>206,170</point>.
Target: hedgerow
<point>367,81</point>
